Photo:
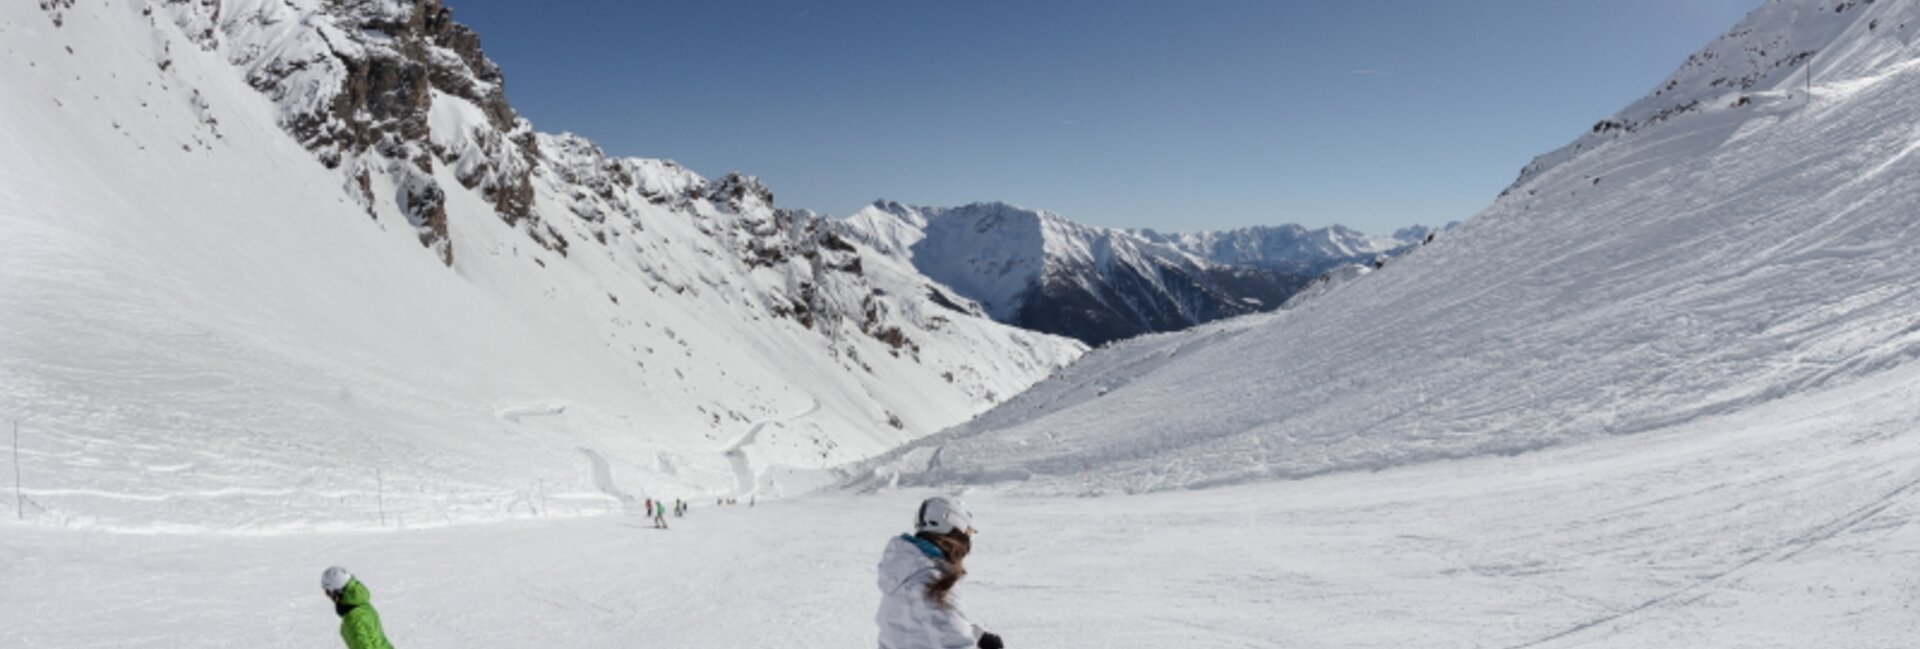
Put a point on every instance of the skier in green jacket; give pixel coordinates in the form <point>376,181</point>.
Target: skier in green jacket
<point>359,624</point>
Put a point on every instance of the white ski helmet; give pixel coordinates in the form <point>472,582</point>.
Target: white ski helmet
<point>941,515</point>
<point>335,579</point>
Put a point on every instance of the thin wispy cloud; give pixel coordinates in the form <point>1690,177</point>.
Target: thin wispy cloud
<point>803,13</point>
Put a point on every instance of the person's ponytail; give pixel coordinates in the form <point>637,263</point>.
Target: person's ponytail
<point>955,546</point>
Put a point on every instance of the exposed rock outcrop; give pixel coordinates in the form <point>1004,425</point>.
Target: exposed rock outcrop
<point>390,92</point>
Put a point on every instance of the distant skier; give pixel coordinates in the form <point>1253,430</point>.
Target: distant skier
<point>660,517</point>
<point>918,609</point>
<point>359,624</point>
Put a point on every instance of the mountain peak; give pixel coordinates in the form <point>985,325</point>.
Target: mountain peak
<point>740,192</point>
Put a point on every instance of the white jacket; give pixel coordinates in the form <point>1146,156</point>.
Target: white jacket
<point>908,620</point>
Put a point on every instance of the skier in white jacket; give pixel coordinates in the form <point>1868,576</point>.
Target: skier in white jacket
<point>918,609</point>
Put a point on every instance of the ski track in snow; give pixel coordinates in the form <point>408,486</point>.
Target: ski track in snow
<point>1791,548</point>
<point>516,413</point>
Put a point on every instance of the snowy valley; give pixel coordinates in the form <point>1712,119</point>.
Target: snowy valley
<point>288,284</point>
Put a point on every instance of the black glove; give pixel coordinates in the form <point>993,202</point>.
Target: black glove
<point>991,641</point>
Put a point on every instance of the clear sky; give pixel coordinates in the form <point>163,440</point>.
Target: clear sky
<point>1190,115</point>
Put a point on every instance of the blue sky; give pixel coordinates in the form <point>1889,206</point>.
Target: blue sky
<point>1171,115</point>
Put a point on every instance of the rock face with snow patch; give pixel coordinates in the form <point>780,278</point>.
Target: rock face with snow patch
<point>389,91</point>
<point>384,90</point>
<point>392,91</point>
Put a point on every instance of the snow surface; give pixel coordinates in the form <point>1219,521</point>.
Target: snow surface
<point>1783,526</point>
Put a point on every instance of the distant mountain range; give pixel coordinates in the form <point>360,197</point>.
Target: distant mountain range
<point>1037,270</point>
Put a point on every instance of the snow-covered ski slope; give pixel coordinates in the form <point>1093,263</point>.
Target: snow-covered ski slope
<point>1755,245</point>
<point>204,328</point>
<point>1793,524</point>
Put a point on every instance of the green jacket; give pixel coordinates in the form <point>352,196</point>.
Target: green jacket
<point>359,624</point>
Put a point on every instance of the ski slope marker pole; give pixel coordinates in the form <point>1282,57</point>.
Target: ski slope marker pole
<point>380,495</point>
<point>19,498</point>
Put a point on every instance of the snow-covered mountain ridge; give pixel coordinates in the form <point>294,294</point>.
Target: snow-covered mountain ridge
<point>215,212</point>
<point>1702,263</point>
<point>1041,271</point>
<point>1293,249</point>
<point>1761,59</point>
